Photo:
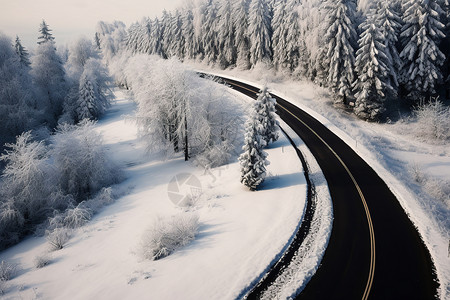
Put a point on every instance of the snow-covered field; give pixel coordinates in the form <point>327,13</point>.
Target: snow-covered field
<point>240,232</point>
<point>416,171</point>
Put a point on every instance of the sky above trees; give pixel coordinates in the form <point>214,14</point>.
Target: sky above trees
<point>70,18</point>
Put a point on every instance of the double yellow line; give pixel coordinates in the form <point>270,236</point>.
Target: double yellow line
<point>363,199</point>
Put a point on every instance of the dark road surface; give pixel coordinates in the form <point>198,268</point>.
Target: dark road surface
<point>374,251</point>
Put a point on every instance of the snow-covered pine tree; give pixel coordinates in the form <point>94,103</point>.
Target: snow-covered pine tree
<point>188,32</point>
<point>22,53</point>
<point>279,35</point>
<point>208,35</point>
<point>46,35</point>
<point>143,43</point>
<point>253,160</point>
<point>260,32</point>
<point>156,40</point>
<point>93,93</point>
<point>226,34</point>
<point>165,32</point>
<point>176,46</point>
<point>303,70</point>
<point>240,14</point>
<point>132,38</point>
<point>421,34</point>
<point>388,20</point>
<point>86,104</point>
<point>340,38</point>
<point>371,66</point>
<point>49,77</point>
<point>293,34</point>
<point>264,107</point>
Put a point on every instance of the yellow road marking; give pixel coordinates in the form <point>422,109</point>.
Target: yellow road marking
<point>363,199</point>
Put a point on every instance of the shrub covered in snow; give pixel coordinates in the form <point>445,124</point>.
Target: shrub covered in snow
<point>7,270</point>
<point>433,120</point>
<point>58,237</point>
<point>166,235</point>
<point>39,180</point>
<point>42,260</point>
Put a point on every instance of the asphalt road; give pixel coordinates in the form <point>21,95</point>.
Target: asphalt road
<point>374,252</point>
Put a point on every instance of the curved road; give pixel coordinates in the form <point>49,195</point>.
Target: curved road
<point>374,252</point>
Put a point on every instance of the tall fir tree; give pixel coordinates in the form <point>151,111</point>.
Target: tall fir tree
<point>241,23</point>
<point>93,93</point>
<point>208,36</point>
<point>46,35</point>
<point>279,35</point>
<point>49,76</point>
<point>260,32</point>
<point>187,28</point>
<point>264,108</point>
<point>226,34</point>
<point>389,22</point>
<point>293,34</point>
<point>372,67</point>
<point>22,53</point>
<point>421,56</point>
<point>253,160</point>
<point>340,38</point>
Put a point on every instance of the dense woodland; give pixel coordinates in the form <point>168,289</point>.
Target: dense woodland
<point>366,52</point>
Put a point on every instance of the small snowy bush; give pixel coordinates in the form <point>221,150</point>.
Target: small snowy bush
<point>167,235</point>
<point>58,237</point>
<point>433,120</point>
<point>42,260</point>
<point>77,216</point>
<point>7,270</point>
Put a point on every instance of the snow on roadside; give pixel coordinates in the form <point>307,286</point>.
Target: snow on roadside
<point>241,232</point>
<point>388,148</point>
<point>294,278</point>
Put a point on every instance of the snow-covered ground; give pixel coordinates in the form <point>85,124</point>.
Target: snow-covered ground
<point>416,171</point>
<point>240,232</point>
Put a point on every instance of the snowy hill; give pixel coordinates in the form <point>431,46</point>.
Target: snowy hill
<point>240,232</point>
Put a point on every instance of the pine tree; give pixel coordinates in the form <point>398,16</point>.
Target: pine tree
<point>22,53</point>
<point>188,32</point>
<point>264,107</point>
<point>156,41</point>
<point>253,160</point>
<point>420,36</point>
<point>240,13</point>
<point>208,36</point>
<point>176,46</point>
<point>388,20</point>
<point>260,32</point>
<point>86,104</point>
<point>49,77</point>
<point>93,93</point>
<point>166,38</point>
<point>340,36</point>
<point>226,34</point>
<point>279,36</point>
<point>46,35</point>
<point>371,65</point>
<point>293,35</point>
